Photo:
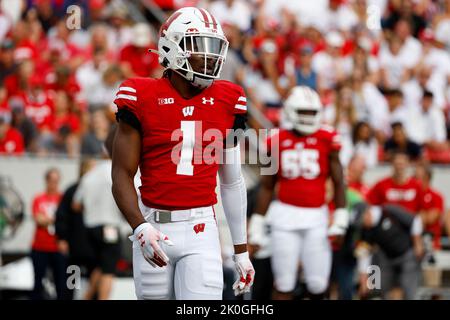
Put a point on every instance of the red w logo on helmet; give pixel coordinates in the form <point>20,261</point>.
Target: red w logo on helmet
<point>199,227</point>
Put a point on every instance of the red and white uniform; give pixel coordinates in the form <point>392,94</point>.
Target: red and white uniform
<point>44,237</point>
<point>387,191</point>
<point>167,119</point>
<point>432,199</point>
<point>172,125</point>
<point>304,166</point>
<point>299,218</point>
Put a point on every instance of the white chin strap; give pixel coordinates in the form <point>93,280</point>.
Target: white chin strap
<point>197,81</point>
<point>202,82</point>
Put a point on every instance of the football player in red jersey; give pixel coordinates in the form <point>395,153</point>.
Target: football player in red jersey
<point>166,128</point>
<point>298,218</point>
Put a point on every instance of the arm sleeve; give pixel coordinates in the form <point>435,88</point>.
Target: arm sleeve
<point>234,194</point>
<point>240,103</point>
<point>126,102</point>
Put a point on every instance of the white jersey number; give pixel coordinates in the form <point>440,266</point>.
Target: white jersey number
<point>185,166</point>
<point>300,163</point>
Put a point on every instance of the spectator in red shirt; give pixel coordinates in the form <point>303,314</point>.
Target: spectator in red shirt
<point>39,106</point>
<point>432,204</point>
<point>11,140</point>
<point>399,188</point>
<point>135,58</point>
<point>45,251</point>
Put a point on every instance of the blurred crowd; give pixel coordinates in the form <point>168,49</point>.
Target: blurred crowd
<point>382,68</point>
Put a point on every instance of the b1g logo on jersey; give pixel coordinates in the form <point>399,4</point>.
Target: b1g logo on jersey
<point>163,101</point>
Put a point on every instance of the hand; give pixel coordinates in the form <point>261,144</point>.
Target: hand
<point>63,247</point>
<point>257,233</point>
<point>149,239</point>
<point>340,223</point>
<point>246,273</point>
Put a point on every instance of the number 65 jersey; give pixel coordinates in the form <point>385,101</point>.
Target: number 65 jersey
<point>304,165</point>
<point>180,138</point>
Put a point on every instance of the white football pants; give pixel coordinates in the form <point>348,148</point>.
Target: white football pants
<point>195,267</point>
<point>299,235</point>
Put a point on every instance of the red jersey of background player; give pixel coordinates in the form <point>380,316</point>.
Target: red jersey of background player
<point>432,199</point>
<point>44,238</point>
<point>387,191</point>
<point>304,165</point>
<point>171,125</point>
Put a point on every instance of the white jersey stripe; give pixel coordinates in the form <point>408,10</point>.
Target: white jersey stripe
<point>129,89</point>
<point>241,106</point>
<point>243,99</point>
<point>126,96</point>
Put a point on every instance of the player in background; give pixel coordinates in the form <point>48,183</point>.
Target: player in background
<point>166,129</point>
<point>298,218</point>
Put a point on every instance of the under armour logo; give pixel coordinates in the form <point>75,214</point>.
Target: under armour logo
<point>188,111</point>
<point>199,227</point>
<point>210,100</point>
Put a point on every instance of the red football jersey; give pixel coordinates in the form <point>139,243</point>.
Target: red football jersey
<point>387,191</point>
<point>431,199</point>
<point>304,165</point>
<point>172,128</point>
<point>44,237</point>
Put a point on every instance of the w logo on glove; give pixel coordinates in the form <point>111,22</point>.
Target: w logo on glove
<point>199,227</point>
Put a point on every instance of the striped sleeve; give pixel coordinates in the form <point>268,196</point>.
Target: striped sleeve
<point>127,97</point>
<point>240,104</point>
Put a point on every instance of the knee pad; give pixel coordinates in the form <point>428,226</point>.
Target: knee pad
<point>316,285</point>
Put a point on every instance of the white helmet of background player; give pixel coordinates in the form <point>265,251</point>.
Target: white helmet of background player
<point>303,110</point>
<point>192,31</point>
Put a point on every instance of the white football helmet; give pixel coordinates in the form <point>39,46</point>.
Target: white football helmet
<point>303,110</point>
<point>191,31</point>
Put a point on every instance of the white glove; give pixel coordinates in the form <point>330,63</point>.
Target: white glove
<point>340,222</point>
<point>257,231</point>
<point>148,238</point>
<point>246,273</point>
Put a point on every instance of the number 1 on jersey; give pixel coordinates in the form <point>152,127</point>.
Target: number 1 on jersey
<point>185,166</point>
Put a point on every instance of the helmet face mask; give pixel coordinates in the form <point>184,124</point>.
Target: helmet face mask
<point>303,110</point>
<point>192,46</point>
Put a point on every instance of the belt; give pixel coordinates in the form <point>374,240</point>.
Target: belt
<point>167,216</point>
